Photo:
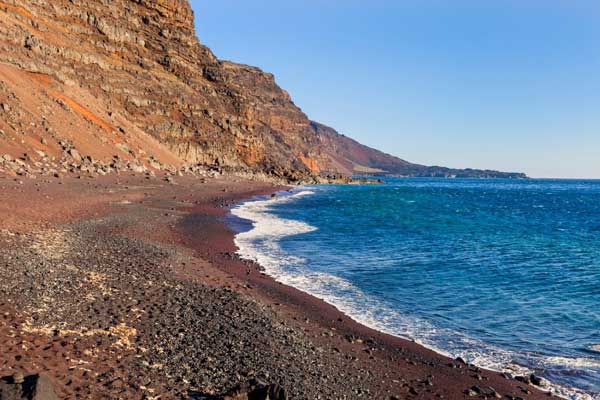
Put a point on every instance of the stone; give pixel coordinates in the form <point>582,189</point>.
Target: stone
<point>473,391</point>
<point>32,387</point>
<point>256,389</point>
<point>536,380</point>
<point>276,392</point>
<point>40,153</point>
<point>138,169</point>
<point>42,389</point>
<point>75,155</point>
<point>18,378</point>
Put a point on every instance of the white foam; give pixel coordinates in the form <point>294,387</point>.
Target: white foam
<point>261,244</point>
<point>578,362</point>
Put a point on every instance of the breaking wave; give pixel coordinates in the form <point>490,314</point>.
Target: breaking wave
<point>261,244</point>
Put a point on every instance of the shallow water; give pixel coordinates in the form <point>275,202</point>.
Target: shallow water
<point>503,273</point>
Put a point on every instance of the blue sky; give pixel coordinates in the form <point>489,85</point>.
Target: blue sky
<point>503,84</point>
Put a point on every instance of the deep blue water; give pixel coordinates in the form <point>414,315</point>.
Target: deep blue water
<point>504,273</point>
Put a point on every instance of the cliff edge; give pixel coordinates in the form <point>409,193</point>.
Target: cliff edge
<point>130,77</point>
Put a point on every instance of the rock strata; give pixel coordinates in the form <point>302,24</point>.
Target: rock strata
<point>131,76</point>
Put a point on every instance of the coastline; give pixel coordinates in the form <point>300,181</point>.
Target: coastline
<point>319,316</point>
<point>186,218</point>
<point>356,313</point>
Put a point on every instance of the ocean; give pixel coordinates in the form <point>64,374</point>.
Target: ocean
<point>503,273</point>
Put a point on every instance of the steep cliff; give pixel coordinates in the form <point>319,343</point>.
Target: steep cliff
<point>131,75</point>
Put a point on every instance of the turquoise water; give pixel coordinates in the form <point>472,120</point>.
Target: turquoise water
<point>503,273</point>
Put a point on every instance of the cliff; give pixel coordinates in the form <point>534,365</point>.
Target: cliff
<point>129,77</point>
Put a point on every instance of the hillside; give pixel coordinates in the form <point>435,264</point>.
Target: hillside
<point>129,78</point>
<point>351,157</point>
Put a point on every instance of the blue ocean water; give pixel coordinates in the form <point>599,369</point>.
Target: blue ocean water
<point>504,273</point>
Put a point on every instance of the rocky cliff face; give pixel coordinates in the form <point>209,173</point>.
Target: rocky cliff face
<point>106,74</point>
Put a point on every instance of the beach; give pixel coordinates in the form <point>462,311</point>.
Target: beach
<point>128,287</point>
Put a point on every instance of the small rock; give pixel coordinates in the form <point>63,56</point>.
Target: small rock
<point>18,378</point>
<point>33,387</point>
<point>75,155</point>
<point>536,380</point>
<point>473,391</point>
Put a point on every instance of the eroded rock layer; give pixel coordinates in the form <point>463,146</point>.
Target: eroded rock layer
<point>110,73</point>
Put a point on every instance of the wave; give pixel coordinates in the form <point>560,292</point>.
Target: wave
<point>261,245</point>
<point>578,362</point>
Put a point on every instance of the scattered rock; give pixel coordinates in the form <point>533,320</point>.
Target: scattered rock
<point>536,380</point>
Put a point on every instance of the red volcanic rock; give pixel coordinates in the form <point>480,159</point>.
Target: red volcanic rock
<point>108,74</point>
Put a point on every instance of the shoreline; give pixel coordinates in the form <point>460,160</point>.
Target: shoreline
<point>128,247</point>
<point>321,314</point>
<point>515,370</point>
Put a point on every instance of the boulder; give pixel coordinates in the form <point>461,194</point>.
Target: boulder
<point>32,387</point>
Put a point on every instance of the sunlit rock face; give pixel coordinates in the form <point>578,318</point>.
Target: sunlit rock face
<point>141,61</point>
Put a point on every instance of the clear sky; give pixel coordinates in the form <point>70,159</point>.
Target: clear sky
<point>502,84</point>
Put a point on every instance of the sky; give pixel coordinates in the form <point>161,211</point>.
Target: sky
<point>512,85</point>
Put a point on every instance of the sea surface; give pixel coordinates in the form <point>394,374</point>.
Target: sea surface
<point>503,273</point>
